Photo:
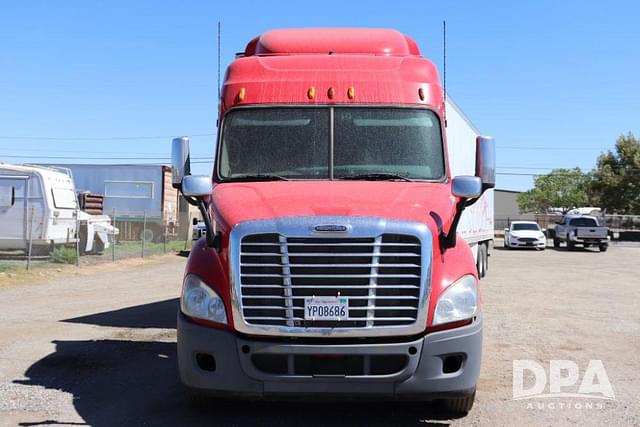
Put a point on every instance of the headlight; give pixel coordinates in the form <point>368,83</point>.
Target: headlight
<point>199,300</point>
<point>458,302</point>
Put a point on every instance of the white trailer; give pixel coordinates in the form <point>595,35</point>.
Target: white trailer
<point>476,224</point>
<point>39,204</point>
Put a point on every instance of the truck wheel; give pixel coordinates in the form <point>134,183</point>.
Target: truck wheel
<point>480,262</point>
<point>570,245</point>
<point>82,244</point>
<point>459,406</point>
<point>603,248</point>
<point>147,235</point>
<point>486,258</point>
<point>98,246</point>
<point>556,242</point>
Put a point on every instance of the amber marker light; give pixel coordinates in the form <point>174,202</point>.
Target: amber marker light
<point>311,92</point>
<point>241,94</point>
<point>331,93</point>
<point>351,92</point>
<point>421,94</point>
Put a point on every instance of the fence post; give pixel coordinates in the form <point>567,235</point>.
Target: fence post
<point>113,243</point>
<point>30,239</point>
<point>144,230</point>
<point>78,237</point>
<point>164,238</point>
<point>189,231</point>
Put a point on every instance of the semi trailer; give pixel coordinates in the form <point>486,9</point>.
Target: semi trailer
<point>334,262</point>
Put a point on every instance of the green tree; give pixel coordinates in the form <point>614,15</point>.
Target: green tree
<point>616,178</point>
<point>561,188</point>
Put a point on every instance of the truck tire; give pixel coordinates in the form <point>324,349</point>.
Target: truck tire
<point>556,242</point>
<point>486,258</point>
<point>147,235</point>
<point>603,247</point>
<point>459,406</point>
<point>152,234</point>
<point>82,235</point>
<point>480,262</point>
<point>98,246</point>
<point>570,245</point>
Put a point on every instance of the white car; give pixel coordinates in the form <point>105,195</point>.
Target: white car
<point>525,234</point>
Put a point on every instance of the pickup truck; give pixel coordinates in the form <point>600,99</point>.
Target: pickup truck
<point>582,230</point>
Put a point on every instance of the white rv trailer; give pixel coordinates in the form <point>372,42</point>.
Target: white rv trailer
<point>476,224</point>
<point>40,204</point>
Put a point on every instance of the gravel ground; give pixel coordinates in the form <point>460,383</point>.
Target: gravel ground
<point>97,346</point>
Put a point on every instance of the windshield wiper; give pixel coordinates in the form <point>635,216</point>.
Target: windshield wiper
<point>255,177</point>
<point>377,177</point>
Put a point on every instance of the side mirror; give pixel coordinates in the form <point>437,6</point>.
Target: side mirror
<point>196,186</point>
<point>486,161</point>
<point>195,221</point>
<point>544,230</point>
<point>465,186</point>
<point>506,230</point>
<point>180,163</point>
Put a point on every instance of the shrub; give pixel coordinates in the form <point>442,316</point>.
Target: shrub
<point>63,256</point>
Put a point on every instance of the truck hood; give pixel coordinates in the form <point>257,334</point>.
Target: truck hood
<point>412,201</point>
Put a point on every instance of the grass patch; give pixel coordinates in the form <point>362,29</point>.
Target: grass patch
<point>63,256</point>
<point>149,247</point>
<point>6,267</point>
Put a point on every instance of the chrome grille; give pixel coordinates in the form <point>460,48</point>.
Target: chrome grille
<point>380,276</point>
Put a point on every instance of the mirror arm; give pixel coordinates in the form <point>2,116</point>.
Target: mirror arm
<point>471,202</point>
<point>448,240</point>
<point>213,241</point>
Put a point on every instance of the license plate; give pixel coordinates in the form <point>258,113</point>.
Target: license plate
<point>326,308</point>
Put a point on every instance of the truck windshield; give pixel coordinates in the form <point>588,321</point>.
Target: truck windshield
<point>365,143</point>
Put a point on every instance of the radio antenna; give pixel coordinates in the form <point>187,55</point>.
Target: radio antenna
<point>218,61</point>
<point>444,68</point>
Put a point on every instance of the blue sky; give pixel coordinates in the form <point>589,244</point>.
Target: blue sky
<point>554,82</point>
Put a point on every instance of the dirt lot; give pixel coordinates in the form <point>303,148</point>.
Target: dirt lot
<point>98,347</point>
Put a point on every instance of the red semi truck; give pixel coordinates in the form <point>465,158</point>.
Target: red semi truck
<point>331,265</point>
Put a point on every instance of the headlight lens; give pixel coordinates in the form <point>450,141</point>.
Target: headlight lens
<point>199,300</point>
<point>458,302</point>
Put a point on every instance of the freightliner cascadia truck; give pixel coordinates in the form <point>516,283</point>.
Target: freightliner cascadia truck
<point>333,263</point>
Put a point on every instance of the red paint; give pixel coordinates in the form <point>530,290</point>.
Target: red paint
<point>383,67</point>
<point>411,201</point>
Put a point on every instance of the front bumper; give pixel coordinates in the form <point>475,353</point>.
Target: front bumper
<point>421,377</point>
<point>534,244</point>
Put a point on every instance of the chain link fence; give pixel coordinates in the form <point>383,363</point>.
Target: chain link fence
<point>621,227</point>
<point>139,235</point>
